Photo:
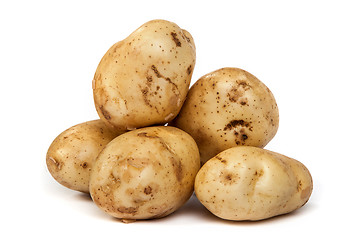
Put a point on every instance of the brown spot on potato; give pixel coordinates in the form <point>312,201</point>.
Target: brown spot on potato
<point>105,113</point>
<point>227,177</point>
<point>177,167</point>
<point>84,165</point>
<point>148,190</point>
<point>238,91</point>
<point>244,137</point>
<point>128,210</point>
<point>157,73</point>
<point>175,39</point>
<point>235,123</point>
<point>234,94</point>
<point>145,134</point>
<point>259,173</point>
<point>189,69</point>
<point>149,80</point>
<point>145,98</point>
<point>305,193</point>
<point>221,159</point>
<point>114,180</point>
<point>244,85</point>
<point>299,186</point>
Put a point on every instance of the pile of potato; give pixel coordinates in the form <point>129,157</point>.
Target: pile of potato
<point>157,140</point>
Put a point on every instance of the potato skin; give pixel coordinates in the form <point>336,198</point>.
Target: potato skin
<point>145,173</point>
<point>71,155</point>
<point>250,183</point>
<point>226,108</point>
<point>143,80</point>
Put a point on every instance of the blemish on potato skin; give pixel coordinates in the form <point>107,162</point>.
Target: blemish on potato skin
<point>105,113</point>
<point>256,177</point>
<point>175,161</point>
<point>244,137</point>
<point>52,161</point>
<point>148,190</point>
<point>299,186</point>
<point>305,193</point>
<point>159,75</point>
<point>244,85</point>
<point>145,92</point>
<point>234,123</point>
<point>84,165</point>
<point>221,159</point>
<point>178,168</point>
<point>149,80</point>
<point>145,134</point>
<point>227,177</point>
<point>128,210</point>
<point>243,102</point>
<point>175,39</point>
<point>189,70</point>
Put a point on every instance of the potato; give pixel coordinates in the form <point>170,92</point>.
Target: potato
<point>250,183</point>
<point>226,108</point>
<point>143,80</point>
<point>145,173</point>
<point>71,155</point>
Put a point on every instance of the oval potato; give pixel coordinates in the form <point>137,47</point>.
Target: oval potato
<point>143,80</point>
<point>226,108</point>
<point>250,183</point>
<point>71,155</point>
<point>145,173</point>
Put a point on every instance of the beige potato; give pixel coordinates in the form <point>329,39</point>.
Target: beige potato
<point>71,155</point>
<point>145,173</point>
<point>226,108</point>
<point>143,80</point>
<point>250,183</point>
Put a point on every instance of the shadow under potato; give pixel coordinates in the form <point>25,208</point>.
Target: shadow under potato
<point>195,210</point>
<point>86,197</point>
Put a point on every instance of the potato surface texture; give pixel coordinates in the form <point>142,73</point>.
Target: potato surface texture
<point>143,80</point>
<point>226,108</point>
<point>145,173</point>
<point>250,183</point>
<point>71,155</point>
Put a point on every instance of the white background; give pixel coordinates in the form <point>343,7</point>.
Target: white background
<point>306,52</point>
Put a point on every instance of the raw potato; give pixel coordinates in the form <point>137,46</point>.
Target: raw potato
<point>250,183</point>
<point>143,80</point>
<point>145,173</point>
<point>71,155</point>
<point>226,108</point>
